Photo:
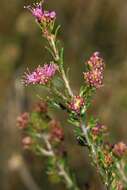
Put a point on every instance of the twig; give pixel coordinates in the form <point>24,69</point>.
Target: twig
<point>58,59</point>
<point>61,170</point>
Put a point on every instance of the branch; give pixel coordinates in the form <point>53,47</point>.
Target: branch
<point>49,152</point>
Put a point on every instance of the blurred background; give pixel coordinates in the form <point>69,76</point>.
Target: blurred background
<point>87,26</point>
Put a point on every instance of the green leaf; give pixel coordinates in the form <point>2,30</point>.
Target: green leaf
<point>53,104</point>
<point>50,51</point>
<point>92,122</point>
<point>37,121</point>
<point>74,122</point>
<point>57,30</point>
<point>62,55</point>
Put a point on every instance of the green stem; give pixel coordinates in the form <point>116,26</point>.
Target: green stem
<point>52,44</point>
<point>59,94</point>
<point>93,154</point>
<point>90,145</point>
<point>67,178</point>
<point>49,152</point>
<point>66,82</point>
<point>59,60</point>
<point>121,171</point>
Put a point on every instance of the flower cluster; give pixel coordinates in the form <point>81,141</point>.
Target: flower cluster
<point>76,104</point>
<point>96,62</point>
<point>94,77</point>
<point>40,14</point>
<point>41,107</point>
<point>99,128</point>
<point>108,160</point>
<point>57,132</point>
<point>23,120</point>
<point>120,149</point>
<point>46,19</point>
<point>37,120</point>
<point>41,75</point>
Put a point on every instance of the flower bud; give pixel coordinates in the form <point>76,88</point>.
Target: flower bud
<point>40,107</point>
<point>76,104</point>
<point>96,62</point>
<point>57,132</point>
<point>99,128</point>
<point>45,18</point>
<point>120,149</point>
<point>108,158</point>
<point>94,78</point>
<point>27,142</point>
<point>22,120</point>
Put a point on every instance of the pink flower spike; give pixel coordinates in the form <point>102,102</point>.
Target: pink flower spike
<point>96,62</point>
<point>41,75</point>
<point>94,78</point>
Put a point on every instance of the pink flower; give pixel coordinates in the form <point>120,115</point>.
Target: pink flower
<point>96,62</point>
<point>98,129</point>
<point>41,107</point>
<point>49,14</point>
<point>57,132</point>
<point>120,149</point>
<point>52,14</point>
<point>41,75</point>
<point>40,14</point>
<point>94,78</point>
<point>36,10</point>
<point>76,104</point>
<point>23,120</point>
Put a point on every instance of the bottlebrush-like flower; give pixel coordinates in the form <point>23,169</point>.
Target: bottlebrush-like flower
<point>40,14</point>
<point>94,78</point>
<point>23,120</point>
<point>120,149</point>
<point>96,62</point>
<point>41,75</point>
<point>76,104</point>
